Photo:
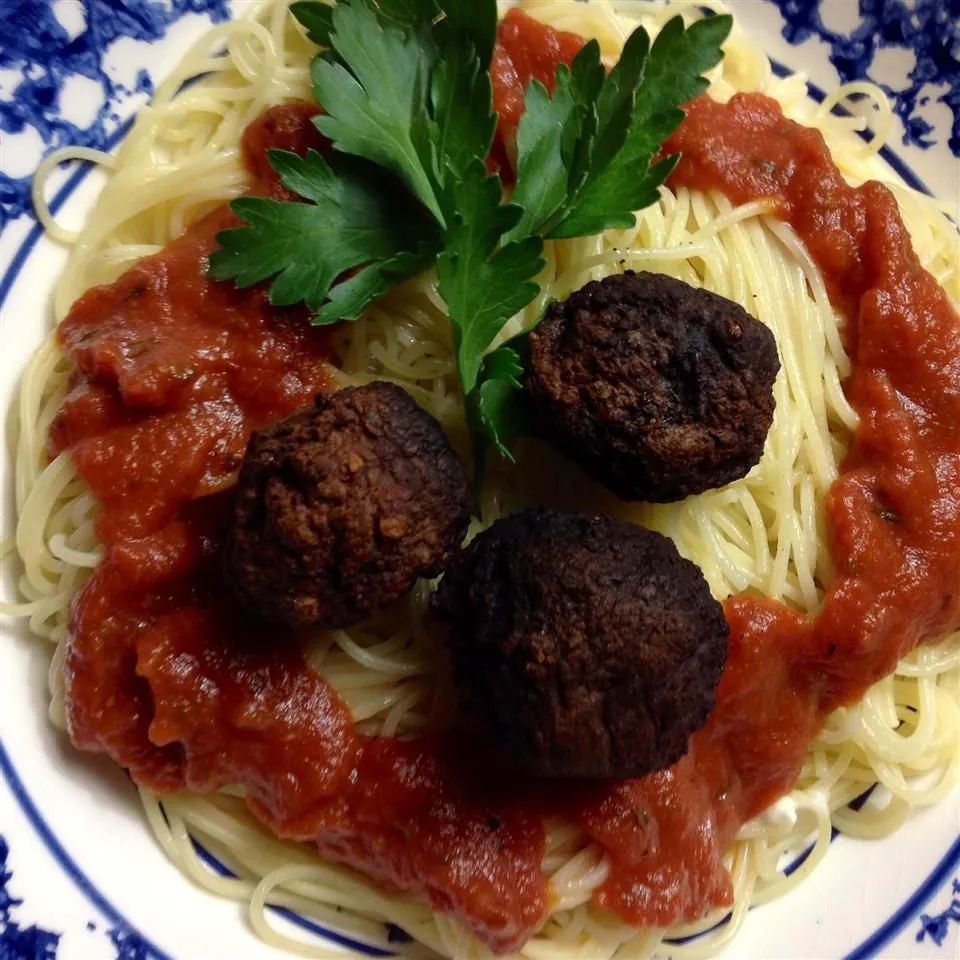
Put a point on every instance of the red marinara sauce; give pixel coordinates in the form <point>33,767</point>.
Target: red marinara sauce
<point>893,516</point>
<point>526,50</point>
<point>173,371</point>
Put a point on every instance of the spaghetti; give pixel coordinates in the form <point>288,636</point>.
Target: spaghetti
<point>763,535</point>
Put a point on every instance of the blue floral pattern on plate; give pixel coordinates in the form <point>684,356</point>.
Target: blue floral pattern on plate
<point>937,927</point>
<point>40,54</point>
<point>17,941</point>
<point>928,30</point>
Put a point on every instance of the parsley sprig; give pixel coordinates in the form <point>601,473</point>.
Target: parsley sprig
<point>408,106</point>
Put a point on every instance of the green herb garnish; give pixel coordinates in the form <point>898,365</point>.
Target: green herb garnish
<point>406,90</point>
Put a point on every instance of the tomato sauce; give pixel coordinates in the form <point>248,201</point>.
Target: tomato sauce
<point>174,371</point>
<point>164,675</point>
<point>893,515</point>
<point>526,50</point>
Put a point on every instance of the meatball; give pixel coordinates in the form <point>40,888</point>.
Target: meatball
<point>584,646</point>
<point>340,508</point>
<point>657,389</point>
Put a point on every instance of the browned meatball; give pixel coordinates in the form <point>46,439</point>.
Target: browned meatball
<point>340,508</point>
<point>657,389</point>
<point>585,646</point>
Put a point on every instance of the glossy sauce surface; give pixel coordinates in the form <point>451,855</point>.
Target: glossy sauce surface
<point>165,676</point>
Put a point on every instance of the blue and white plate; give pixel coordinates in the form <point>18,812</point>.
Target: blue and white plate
<point>80,875</point>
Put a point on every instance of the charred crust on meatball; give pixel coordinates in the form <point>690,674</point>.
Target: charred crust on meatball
<point>340,508</point>
<point>582,646</point>
<point>658,389</point>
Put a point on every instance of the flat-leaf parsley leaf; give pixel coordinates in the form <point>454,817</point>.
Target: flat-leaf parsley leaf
<point>407,94</point>
<point>354,219</point>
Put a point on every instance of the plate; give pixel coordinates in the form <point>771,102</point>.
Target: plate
<point>80,875</point>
